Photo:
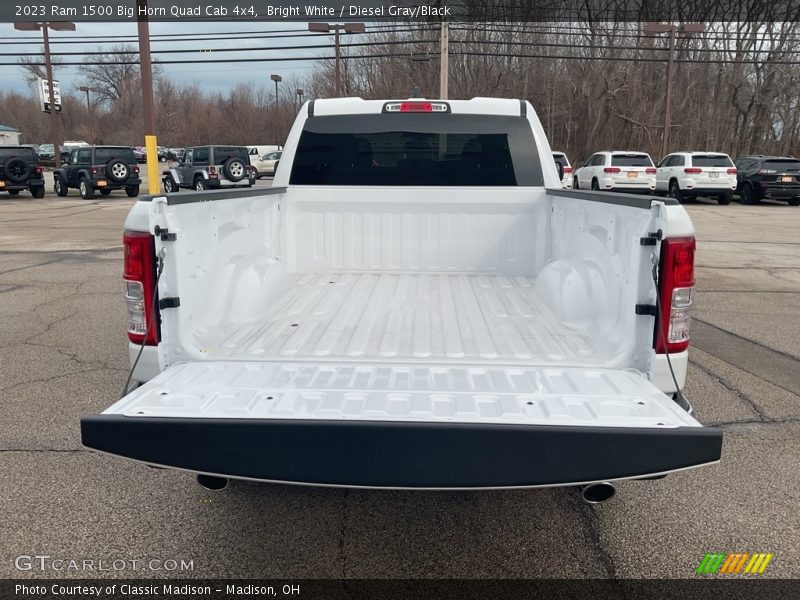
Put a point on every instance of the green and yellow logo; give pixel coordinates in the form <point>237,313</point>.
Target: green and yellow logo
<point>734,563</point>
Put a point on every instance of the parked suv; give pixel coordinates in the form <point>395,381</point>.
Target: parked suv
<point>45,152</point>
<point>566,179</point>
<point>20,170</point>
<point>210,167</point>
<point>266,164</point>
<point>618,171</point>
<point>684,175</point>
<point>773,177</point>
<point>103,168</point>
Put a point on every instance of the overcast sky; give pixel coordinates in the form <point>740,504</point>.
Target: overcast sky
<point>220,76</point>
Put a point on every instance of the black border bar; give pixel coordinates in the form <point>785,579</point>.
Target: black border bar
<point>694,587</point>
<point>407,11</point>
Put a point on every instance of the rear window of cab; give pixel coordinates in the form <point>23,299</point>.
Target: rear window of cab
<point>414,149</point>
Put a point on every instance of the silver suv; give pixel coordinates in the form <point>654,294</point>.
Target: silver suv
<point>210,167</point>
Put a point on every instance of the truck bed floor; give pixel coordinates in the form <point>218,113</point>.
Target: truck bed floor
<point>406,317</point>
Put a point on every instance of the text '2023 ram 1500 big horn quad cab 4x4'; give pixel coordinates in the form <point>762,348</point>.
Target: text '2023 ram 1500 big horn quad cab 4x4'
<point>98,168</point>
<point>416,303</point>
<point>20,170</point>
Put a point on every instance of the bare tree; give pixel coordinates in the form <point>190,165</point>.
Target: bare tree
<point>33,67</point>
<point>115,74</point>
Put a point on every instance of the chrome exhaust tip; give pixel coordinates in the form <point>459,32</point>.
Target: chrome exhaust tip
<point>597,493</point>
<point>212,483</point>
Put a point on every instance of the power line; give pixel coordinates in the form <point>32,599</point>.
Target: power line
<point>223,60</point>
<point>609,31</point>
<point>610,48</point>
<point>432,54</point>
<point>216,50</point>
<point>636,48</point>
<point>196,37</point>
<point>707,36</point>
<point>626,59</point>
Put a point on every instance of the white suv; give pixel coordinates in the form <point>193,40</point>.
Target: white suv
<point>685,175</point>
<point>618,171</point>
<point>561,159</point>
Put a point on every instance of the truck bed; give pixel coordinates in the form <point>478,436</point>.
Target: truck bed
<point>409,317</point>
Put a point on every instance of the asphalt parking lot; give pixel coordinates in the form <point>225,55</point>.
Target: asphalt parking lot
<point>63,355</point>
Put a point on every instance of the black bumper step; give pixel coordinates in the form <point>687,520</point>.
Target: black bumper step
<point>401,454</point>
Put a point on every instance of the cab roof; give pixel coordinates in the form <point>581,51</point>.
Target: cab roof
<point>475,106</point>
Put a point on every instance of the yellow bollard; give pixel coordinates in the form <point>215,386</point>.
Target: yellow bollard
<point>153,176</point>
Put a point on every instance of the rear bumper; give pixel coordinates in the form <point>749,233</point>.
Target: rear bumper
<point>216,184</point>
<point>646,185</point>
<point>407,455</point>
<point>29,183</point>
<point>631,190</point>
<point>783,193</point>
<point>700,190</point>
<point>113,185</point>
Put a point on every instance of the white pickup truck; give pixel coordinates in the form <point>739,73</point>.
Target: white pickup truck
<point>415,304</point>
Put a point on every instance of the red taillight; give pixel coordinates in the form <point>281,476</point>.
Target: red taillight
<point>567,169</point>
<point>692,170</point>
<point>139,275</point>
<point>212,172</point>
<point>650,170</point>
<point>611,170</point>
<point>37,170</point>
<point>676,286</point>
<point>136,169</point>
<point>94,170</point>
<point>732,171</point>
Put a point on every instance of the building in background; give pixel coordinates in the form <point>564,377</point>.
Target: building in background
<point>8,136</point>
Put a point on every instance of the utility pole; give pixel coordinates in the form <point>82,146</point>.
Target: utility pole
<point>338,75</point>
<point>55,118</point>
<point>55,121</point>
<point>336,28</point>
<point>672,30</point>
<point>668,98</point>
<point>444,65</point>
<point>148,104</point>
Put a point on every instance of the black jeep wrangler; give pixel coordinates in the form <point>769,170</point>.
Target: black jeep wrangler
<point>20,170</point>
<point>104,168</point>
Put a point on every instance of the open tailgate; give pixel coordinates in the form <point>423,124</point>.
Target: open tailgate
<point>440,427</point>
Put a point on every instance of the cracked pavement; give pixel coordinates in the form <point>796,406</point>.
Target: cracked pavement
<point>63,355</point>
